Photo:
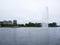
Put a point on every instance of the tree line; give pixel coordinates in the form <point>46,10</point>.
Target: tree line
<point>30,24</point>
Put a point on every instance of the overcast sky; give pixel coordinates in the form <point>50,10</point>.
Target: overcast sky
<point>30,10</point>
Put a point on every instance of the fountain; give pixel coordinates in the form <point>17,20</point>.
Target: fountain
<point>45,24</point>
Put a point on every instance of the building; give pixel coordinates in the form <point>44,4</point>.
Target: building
<point>14,22</point>
<point>7,22</point>
<point>1,23</point>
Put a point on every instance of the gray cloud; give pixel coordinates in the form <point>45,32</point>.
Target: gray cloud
<point>30,10</point>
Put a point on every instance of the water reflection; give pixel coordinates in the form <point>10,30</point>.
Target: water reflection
<point>29,36</point>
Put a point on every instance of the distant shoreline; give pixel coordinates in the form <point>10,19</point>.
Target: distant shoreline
<point>27,27</point>
<point>30,24</point>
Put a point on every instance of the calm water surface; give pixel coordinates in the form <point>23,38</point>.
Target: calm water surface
<point>30,36</point>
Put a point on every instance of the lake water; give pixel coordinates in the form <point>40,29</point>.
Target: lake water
<point>30,36</point>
